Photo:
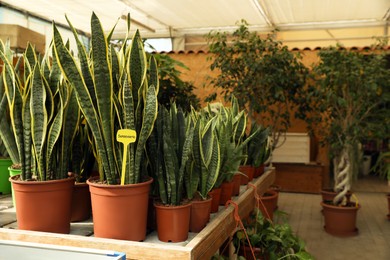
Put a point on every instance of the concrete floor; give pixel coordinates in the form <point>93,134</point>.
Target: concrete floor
<point>373,240</point>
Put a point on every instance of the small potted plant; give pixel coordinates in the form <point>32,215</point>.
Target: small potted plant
<point>170,149</point>
<point>203,171</point>
<point>268,240</point>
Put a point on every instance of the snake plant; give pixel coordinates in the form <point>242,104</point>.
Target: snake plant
<point>257,150</point>
<point>230,126</point>
<point>171,147</point>
<point>206,158</point>
<point>42,111</point>
<point>114,92</point>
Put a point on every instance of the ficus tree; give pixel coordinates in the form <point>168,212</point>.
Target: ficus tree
<point>260,72</point>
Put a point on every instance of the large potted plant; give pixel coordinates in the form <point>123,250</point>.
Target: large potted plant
<point>350,88</point>
<point>170,151</point>
<point>42,108</point>
<point>114,93</point>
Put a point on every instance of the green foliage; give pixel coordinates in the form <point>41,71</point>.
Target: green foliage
<point>262,73</point>
<point>172,87</point>
<point>258,149</point>
<point>9,147</point>
<point>347,104</point>
<point>43,112</point>
<point>114,91</point>
<point>230,125</point>
<point>352,95</point>
<point>170,148</point>
<point>274,240</point>
<point>206,157</point>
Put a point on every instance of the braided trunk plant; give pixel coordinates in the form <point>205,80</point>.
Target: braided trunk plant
<point>114,92</point>
<point>350,99</point>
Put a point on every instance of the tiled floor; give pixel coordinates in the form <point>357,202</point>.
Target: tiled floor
<point>373,240</point>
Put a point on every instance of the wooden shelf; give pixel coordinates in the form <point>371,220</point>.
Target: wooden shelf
<point>202,245</point>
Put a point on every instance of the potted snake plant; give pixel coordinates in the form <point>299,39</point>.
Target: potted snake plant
<point>42,108</point>
<point>9,154</point>
<point>171,147</point>
<point>115,93</point>
<point>203,173</point>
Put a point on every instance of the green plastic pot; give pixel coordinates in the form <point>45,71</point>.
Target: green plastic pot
<point>5,185</point>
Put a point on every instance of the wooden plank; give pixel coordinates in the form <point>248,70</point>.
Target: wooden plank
<point>133,250</point>
<point>210,239</point>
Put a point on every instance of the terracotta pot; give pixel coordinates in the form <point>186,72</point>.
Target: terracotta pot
<point>236,184</point>
<point>259,171</point>
<point>43,205</point>
<point>200,214</point>
<point>81,202</point>
<point>215,195</point>
<point>5,185</point>
<point>388,203</point>
<point>340,220</point>
<point>328,195</point>
<point>151,224</point>
<point>226,192</point>
<point>268,203</point>
<point>276,188</point>
<point>120,211</point>
<point>173,222</point>
<point>248,171</point>
<point>13,172</point>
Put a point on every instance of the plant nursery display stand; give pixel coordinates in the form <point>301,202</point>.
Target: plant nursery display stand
<point>200,245</point>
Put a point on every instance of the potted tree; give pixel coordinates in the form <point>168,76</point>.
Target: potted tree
<point>350,88</point>
<point>261,73</point>
<point>41,109</point>
<point>114,92</point>
<point>170,151</point>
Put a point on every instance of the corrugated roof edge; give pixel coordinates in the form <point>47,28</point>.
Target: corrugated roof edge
<point>354,48</point>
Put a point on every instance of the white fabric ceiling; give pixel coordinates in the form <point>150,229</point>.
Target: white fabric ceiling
<point>320,19</point>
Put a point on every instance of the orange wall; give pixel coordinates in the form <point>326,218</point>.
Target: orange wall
<point>199,72</point>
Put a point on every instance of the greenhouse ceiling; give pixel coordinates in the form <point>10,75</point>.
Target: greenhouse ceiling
<point>300,22</point>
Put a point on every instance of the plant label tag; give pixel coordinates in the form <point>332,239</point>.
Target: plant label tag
<point>126,136</point>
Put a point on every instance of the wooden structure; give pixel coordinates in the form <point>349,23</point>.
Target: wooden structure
<point>20,36</point>
<point>202,246</point>
<point>300,177</point>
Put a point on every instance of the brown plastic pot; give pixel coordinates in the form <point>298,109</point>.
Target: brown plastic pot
<point>259,171</point>
<point>215,195</point>
<point>173,222</point>
<point>340,220</point>
<point>268,203</point>
<point>119,211</point>
<point>249,171</point>
<point>236,184</point>
<point>226,192</point>
<point>328,195</point>
<point>388,203</point>
<point>81,202</point>
<point>200,214</point>
<point>43,205</point>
